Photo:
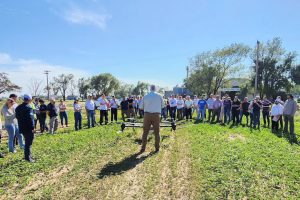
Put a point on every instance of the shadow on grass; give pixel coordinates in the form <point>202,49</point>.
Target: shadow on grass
<point>112,169</point>
<point>281,134</point>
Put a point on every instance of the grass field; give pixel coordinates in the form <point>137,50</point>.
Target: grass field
<point>198,161</point>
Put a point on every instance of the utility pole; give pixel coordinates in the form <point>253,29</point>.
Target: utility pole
<point>256,66</point>
<point>48,89</point>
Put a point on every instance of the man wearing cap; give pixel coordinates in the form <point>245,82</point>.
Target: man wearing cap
<point>152,105</point>
<point>25,116</point>
<point>52,112</point>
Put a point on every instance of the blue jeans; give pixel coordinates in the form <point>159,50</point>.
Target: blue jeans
<point>13,130</point>
<point>62,116</point>
<point>78,120</point>
<point>163,113</point>
<point>226,114</point>
<point>256,118</point>
<point>91,118</point>
<point>202,114</point>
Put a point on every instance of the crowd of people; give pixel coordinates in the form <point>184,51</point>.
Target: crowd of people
<point>215,109</point>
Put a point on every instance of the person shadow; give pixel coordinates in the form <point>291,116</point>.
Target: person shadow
<point>128,163</point>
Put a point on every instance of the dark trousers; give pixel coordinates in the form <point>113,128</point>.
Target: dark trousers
<point>266,117</point>
<point>164,113</point>
<point>78,120</point>
<point>289,122</point>
<point>210,113</point>
<point>103,113</point>
<point>36,121</point>
<point>173,112</point>
<point>114,114</point>
<point>216,113</point>
<point>141,113</point>
<point>29,136</point>
<point>42,120</point>
<point>180,113</point>
<point>188,113</point>
<point>281,122</point>
<point>168,111</point>
<point>247,117</point>
<point>226,115</point>
<point>274,125</point>
<point>235,116</point>
<point>63,116</point>
<point>256,118</point>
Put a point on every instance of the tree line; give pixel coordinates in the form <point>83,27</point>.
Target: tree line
<point>277,69</point>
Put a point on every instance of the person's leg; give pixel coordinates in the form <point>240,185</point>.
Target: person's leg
<point>268,118</point>
<point>273,125</point>
<point>258,119</point>
<point>156,128</point>
<point>55,124</point>
<point>198,114</point>
<point>291,121</point>
<point>66,119</point>
<point>61,116</point>
<point>89,118</point>
<point>146,129</point>
<point>20,137</point>
<point>210,113</point>
<point>51,124</point>
<point>111,115</point>
<point>276,126</point>
<point>241,118</point>
<point>116,114</point>
<point>106,116</point>
<point>76,121</point>
<point>11,137</point>
<point>264,117</point>
<point>101,117</point>
<point>28,143</point>
<point>202,114</point>
<point>123,115</point>
<point>79,120</point>
<point>281,121</point>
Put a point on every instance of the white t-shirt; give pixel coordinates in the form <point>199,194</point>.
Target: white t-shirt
<point>180,104</point>
<point>188,103</point>
<point>102,104</point>
<point>173,102</point>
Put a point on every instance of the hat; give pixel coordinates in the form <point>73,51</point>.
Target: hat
<point>27,97</point>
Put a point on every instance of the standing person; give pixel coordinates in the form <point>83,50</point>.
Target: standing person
<point>141,112</point>
<point>256,107</point>
<point>188,104</point>
<point>276,113</point>
<point>180,105</point>
<point>289,110</point>
<point>124,108</point>
<point>113,109</point>
<point>164,110</point>
<point>152,105</point>
<point>168,109</point>
<point>24,114</point>
<point>202,104</point>
<point>266,111</point>
<point>63,113</point>
<point>37,112</point>
<point>210,104</point>
<point>90,111</point>
<point>131,112</point>
<point>221,118</point>
<point>42,116</point>
<point>10,122</point>
<point>1,155</point>
<point>135,105</point>
<point>281,117</point>
<point>245,110</point>
<point>52,113</point>
<point>195,105</point>
<point>217,104</point>
<point>173,106</point>
<point>77,114</point>
<point>227,109</point>
<point>15,105</point>
<point>235,110</point>
<point>103,109</point>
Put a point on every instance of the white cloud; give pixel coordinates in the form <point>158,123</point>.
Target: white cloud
<point>87,17</point>
<point>23,71</point>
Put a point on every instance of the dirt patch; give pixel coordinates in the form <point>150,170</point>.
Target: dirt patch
<point>234,137</point>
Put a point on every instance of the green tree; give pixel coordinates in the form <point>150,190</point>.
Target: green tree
<point>124,90</point>
<point>63,82</point>
<point>83,87</point>
<point>6,85</point>
<point>211,69</point>
<point>296,74</point>
<point>141,88</point>
<point>104,83</point>
<point>275,67</point>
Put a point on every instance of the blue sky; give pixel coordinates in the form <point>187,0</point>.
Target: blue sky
<point>134,40</point>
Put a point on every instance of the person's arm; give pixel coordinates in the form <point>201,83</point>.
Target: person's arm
<point>294,108</point>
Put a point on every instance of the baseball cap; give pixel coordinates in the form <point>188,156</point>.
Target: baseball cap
<point>27,97</point>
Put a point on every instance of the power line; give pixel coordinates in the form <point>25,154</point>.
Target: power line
<point>48,89</point>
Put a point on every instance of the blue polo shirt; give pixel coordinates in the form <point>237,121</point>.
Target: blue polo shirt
<point>202,103</point>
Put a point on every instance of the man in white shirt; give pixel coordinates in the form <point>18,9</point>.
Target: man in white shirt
<point>195,105</point>
<point>276,114</point>
<point>180,106</point>
<point>103,107</point>
<point>152,105</point>
<point>90,111</point>
<point>188,104</point>
<point>173,106</point>
<point>210,104</point>
<point>113,109</point>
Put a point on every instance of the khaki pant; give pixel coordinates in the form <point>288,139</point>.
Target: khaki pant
<point>53,125</point>
<point>154,120</point>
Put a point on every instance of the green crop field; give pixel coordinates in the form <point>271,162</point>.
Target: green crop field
<point>198,161</point>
